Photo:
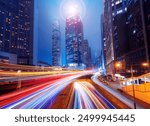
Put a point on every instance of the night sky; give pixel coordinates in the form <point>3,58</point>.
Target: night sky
<point>47,11</point>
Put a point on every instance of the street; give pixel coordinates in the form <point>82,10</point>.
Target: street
<point>63,91</point>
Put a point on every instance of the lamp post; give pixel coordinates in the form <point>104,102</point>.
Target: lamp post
<point>145,64</point>
<point>133,89</point>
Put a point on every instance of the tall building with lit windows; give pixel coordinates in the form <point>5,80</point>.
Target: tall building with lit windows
<point>138,22</point>
<point>8,29</point>
<point>114,30</point>
<point>56,44</point>
<point>120,34</point>
<point>126,33</point>
<point>8,24</point>
<point>25,32</point>
<point>74,40</point>
<point>103,44</point>
<point>86,54</point>
<point>108,37</point>
<point>146,6</point>
<point>16,29</point>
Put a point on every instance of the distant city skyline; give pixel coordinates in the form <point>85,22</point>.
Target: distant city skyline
<point>49,11</point>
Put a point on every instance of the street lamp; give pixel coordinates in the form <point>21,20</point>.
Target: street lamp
<point>119,65</point>
<point>144,65</point>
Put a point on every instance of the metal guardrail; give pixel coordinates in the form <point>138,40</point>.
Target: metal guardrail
<point>145,78</point>
<point>139,88</point>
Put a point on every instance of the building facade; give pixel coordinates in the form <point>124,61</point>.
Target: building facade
<point>120,34</point>
<point>127,22</point>
<point>103,44</point>
<point>89,57</point>
<point>25,32</point>
<point>56,44</point>
<point>86,54</point>
<point>146,6</point>
<point>8,25</point>
<point>137,36</point>
<point>16,29</point>
<point>108,37</point>
<point>74,40</point>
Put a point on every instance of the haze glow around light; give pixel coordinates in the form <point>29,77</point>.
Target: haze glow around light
<point>70,8</point>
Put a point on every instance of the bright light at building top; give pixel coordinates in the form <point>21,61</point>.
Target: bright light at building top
<point>70,8</point>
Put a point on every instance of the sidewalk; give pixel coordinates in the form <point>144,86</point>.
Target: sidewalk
<point>116,93</point>
<point>119,88</point>
<point>142,92</point>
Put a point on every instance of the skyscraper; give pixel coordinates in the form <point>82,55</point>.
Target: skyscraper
<point>98,61</point>
<point>8,25</point>
<point>126,27</point>
<point>25,32</point>
<point>36,37</point>
<point>108,36</point>
<point>86,54</point>
<point>120,34</point>
<point>115,37</point>
<point>89,57</point>
<point>74,40</point>
<point>16,29</point>
<point>103,44</point>
<point>146,6</point>
<point>56,45</point>
<point>137,20</point>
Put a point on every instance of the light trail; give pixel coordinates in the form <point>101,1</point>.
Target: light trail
<point>42,98</point>
<point>9,98</point>
<point>44,95</point>
<point>87,97</point>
